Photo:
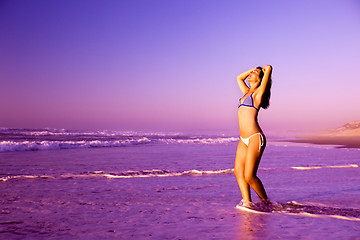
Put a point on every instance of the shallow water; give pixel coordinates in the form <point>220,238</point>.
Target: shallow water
<point>92,193</point>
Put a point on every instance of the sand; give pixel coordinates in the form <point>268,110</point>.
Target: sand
<point>341,141</point>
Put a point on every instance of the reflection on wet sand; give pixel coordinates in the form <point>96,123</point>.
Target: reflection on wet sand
<point>252,226</point>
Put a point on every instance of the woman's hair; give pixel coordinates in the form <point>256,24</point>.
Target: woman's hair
<point>265,102</point>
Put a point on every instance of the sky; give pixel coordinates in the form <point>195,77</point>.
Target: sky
<point>160,65</point>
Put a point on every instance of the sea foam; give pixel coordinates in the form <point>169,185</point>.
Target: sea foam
<point>46,139</point>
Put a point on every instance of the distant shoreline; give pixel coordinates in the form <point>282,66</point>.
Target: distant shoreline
<point>342,141</point>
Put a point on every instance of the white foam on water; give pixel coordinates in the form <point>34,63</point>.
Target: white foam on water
<point>297,209</point>
<point>201,140</point>
<point>319,211</point>
<point>126,174</point>
<point>54,139</point>
<point>159,173</point>
<point>320,167</point>
<point>11,146</point>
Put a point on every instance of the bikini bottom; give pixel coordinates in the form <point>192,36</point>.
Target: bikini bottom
<point>247,140</point>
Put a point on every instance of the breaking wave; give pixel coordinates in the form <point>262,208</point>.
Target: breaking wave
<point>10,146</point>
<point>53,139</point>
<point>154,173</point>
<point>123,174</point>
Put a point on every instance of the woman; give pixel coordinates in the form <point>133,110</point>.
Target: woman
<point>252,140</point>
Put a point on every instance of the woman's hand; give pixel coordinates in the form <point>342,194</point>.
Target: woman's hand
<point>241,78</point>
<point>244,75</point>
<point>249,71</point>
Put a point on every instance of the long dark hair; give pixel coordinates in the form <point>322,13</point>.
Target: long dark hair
<point>265,101</point>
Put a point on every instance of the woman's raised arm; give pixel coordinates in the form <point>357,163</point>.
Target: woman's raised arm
<point>267,69</point>
<point>240,80</point>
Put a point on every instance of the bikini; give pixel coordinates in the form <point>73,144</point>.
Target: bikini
<point>249,102</point>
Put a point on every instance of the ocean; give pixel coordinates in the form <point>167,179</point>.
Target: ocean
<point>66,184</point>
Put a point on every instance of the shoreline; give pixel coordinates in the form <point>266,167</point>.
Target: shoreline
<point>342,141</point>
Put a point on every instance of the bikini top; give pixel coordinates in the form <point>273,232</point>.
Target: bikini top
<point>248,102</point>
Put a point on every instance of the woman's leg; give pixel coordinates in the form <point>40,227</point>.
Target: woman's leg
<point>252,161</point>
<point>239,171</point>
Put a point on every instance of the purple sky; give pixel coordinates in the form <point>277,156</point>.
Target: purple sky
<point>172,65</point>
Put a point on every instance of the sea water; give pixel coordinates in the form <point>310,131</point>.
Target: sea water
<point>61,184</point>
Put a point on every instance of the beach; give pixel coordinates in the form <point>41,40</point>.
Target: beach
<point>340,141</point>
<point>345,136</point>
<point>161,186</point>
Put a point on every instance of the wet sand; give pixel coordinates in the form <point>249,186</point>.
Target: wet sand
<point>341,141</point>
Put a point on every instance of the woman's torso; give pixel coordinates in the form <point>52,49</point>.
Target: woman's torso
<point>247,115</point>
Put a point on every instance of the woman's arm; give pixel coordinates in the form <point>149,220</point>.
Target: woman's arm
<point>267,73</point>
<point>240,80</point>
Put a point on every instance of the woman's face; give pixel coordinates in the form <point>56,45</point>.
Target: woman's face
<point>254,75</point>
